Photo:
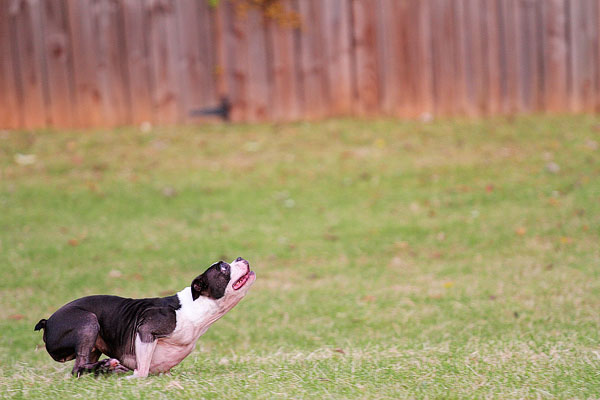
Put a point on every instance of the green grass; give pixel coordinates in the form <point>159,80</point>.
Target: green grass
<point>393,259</point>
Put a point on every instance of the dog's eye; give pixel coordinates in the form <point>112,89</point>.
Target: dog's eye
<point>225,268</point>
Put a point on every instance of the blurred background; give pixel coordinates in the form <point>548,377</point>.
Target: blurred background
<point>102,63</point>
<point>413,233</point>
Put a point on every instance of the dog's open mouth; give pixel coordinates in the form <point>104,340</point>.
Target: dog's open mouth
<point>242,281</point>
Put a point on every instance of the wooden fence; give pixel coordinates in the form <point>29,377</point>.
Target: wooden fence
<point>79,63</point>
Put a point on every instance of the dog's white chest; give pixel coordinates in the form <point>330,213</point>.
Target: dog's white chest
<point>193,320</point>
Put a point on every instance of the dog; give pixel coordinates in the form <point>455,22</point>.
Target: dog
<point>149,335</point>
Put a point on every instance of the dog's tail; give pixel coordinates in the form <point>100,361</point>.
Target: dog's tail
<point>40,325</point>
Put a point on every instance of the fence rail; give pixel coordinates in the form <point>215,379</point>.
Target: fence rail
<point>81,63</point>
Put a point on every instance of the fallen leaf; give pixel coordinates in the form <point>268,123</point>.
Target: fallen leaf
<point>437,254</point>
<point>71,145</point>
<point>25,159</point>
<point>380,143</point>
<point>554,201</point>
<point>92,186</point>
<point>402,245</point>
<point>146,127</point>
<point>289,203</point>
<point>369,298</point>
<point>331,237</point>
<point>169,191</point>
<point>552,167</point>
<point>338,350</point>
<point>73,242</point>
<point>521,231</point>
<point>426,117</point>
<point>115,273</point>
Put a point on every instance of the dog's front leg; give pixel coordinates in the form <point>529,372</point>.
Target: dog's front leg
<point>144,349</point>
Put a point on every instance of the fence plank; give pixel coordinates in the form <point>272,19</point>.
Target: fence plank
<point>510,15</point>
<point>208,53</point>
<point>236,41</point>
<point>11,116</point>
<point>421,48</point>
<point>337,30</point>
<point>365,39</point>
<point>259,86</point>
<point>138,61</point>
<point>58,57</point>
<point>529,67</point>
<point>461,78</point>
<point>29,38</point>
<point>196,58</point>
<point>582,36</point>
<point>87,91</point>
<point>163,50</point>
<point>475,61</point>
<point>555,55</point>
<point>443,56</point>
<point>110,43</point>
<point>313,58</point>
<point>493,79</point>
<point>284,70</point>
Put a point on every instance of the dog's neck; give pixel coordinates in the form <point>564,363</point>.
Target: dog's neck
<point>204,311</point>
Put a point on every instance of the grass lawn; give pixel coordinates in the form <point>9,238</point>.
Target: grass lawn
<point>393,259</point>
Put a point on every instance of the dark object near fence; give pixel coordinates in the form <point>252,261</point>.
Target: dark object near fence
<point>222,111</point>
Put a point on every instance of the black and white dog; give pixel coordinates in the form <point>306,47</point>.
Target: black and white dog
<point>145,335</point>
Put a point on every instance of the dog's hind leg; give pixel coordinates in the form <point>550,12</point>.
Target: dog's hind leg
<point>106,366</point>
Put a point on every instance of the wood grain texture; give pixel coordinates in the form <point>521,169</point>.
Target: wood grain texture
<point>555,55</point>
<point>11,97</point>
<point>29,61</point>
<point>135,19</point>
<point>284,65</point>
<point>57,52</point>
<point>366,57</point>
<point>79,63</point>
<point>163,45</point>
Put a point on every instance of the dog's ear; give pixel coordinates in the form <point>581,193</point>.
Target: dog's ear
<point>199,287</point>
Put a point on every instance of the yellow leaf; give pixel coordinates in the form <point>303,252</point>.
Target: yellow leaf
<point>521,231</point>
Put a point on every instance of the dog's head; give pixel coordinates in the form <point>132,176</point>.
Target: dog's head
<point>223,280</point>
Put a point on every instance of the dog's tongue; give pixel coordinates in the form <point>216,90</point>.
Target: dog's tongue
<point>241,282</point>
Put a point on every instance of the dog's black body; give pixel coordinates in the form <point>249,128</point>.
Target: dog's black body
<point>111,321</point>
<point>149,335</point>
